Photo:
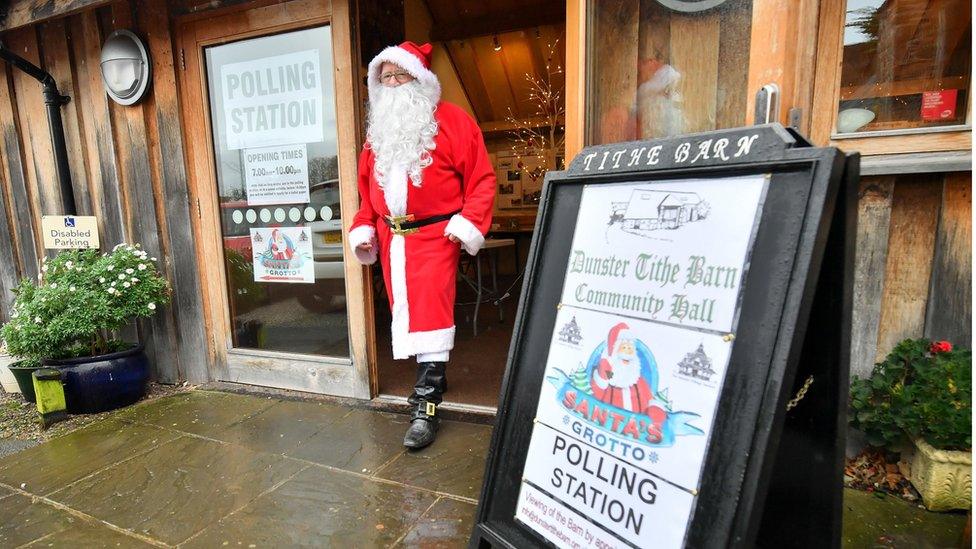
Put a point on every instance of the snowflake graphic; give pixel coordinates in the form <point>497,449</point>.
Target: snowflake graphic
<point>652,457</point>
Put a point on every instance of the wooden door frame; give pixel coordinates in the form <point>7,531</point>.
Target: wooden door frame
<point>778,53</point>
<point>352,377</point>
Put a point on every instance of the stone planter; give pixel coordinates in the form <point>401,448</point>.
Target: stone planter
<point>944,478</point>
<point>7,379</point>
<point>99,383</point>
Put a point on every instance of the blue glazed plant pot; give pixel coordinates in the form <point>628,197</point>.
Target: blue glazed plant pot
<point>100,383</point>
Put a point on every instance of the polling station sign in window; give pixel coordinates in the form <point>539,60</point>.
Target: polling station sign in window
<point>273,100</point>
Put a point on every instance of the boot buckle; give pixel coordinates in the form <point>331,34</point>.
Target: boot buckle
<point>431,409</point>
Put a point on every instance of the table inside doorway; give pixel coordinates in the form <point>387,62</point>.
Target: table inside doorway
<point>490,249</point>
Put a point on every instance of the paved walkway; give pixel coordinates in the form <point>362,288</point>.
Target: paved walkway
<point>213,469</point>
<point>216,469</point>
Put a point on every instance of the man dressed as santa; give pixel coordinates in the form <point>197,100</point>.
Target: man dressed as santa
<point>617,378</point>
<point>426,190</point>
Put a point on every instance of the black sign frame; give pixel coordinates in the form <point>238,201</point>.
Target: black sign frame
<point>774,478</point>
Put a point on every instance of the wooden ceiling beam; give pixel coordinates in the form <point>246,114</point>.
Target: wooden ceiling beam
<point>20,13</point>
<point>460,29</point>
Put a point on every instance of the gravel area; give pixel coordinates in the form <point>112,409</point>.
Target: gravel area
<point>20,426</point>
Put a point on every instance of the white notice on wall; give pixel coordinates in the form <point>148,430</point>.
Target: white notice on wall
<point>273,100</point>
<point>283,254</point>
<point>276,175</point>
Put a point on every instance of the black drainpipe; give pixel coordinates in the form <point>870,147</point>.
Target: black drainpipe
<point>53,100</point>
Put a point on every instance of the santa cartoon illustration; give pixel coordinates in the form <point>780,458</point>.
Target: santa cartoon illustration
<point>279,246</point>
<point>618,380</point>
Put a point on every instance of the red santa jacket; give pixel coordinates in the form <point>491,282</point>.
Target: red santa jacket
<point>420,268</point>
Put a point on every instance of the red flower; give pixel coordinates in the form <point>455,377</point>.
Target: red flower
<point>940,347</point>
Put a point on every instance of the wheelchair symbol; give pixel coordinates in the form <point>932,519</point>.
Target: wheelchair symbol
<point>69,222</point>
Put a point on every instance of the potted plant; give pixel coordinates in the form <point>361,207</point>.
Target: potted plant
<point>71,319</point>
<point>922,393</point>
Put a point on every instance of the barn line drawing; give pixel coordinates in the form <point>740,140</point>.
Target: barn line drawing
<point>650,210</point>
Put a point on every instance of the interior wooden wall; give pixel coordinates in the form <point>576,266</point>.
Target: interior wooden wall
<point>913,270</point>
<point>126,164</point>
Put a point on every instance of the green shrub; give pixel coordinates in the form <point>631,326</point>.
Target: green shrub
<point>923,389</point>
<point>81,301</point>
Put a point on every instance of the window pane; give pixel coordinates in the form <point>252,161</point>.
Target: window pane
<point>658,72</point>
<point>272,106</point>
<point>906,64</point>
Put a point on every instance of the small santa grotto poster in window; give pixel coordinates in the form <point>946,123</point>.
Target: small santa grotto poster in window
<point>637,360</point>
<point>283,254</point>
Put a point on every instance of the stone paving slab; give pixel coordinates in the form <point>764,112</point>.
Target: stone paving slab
<point>22,521</point>
<point>454,464</point>
<point>361,442</point>
<point>89,536</point>
<point>48,467</point>
<point>179,488</point>
<point>447,524</point>
<point>322,508</point>
<point>204,413</point>
<point>283,426</point>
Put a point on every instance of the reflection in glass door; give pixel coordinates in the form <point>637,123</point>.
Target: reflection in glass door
<point>272,108</point>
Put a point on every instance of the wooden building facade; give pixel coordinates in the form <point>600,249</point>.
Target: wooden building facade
<point>631,70</point>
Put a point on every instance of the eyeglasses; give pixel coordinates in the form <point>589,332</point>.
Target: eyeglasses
<point>400,76</point>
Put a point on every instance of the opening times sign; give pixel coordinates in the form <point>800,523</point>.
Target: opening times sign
<point>637,360</point>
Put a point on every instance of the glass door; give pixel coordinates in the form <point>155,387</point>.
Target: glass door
<point>272,109</point>
<point>271,162</point>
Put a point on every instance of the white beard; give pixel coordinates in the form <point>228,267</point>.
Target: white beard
<point>401,130</point>
<point>626,373</point>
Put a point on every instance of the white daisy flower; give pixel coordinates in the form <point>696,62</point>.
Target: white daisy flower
<point>152,306</point>
<point>69,264</point>
<point>101,280</point>
<point>121,277</point>
<point>37,319</point>
<point>44,268</point>
<point>134,280</point>
<point>110,267</point>
<point>54,284</point>
<point>126,284</point>
<point>71,289</point>
<point>152,259</point>
<point>142,266</point>
<point>129,271</point>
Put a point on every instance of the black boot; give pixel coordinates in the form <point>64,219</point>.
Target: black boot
<point>427,395</point>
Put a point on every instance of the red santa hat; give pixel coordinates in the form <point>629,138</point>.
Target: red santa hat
<point>618,334</point>
<point>413,58</point>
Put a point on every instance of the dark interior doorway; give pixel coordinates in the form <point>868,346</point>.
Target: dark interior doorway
<point>503,62</point>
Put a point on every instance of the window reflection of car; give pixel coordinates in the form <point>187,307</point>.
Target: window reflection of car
<point>237,236</point>
<point>328,294</point>
<point>327,233</point>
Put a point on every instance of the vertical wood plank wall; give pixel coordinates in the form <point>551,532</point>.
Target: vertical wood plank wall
<point>126,167</point>
<point>913,269</point>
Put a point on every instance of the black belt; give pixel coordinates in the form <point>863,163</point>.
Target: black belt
<point>406,224</point>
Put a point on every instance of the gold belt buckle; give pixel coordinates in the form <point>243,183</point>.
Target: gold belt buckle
<point>431,409</point>
<point>396,220</point>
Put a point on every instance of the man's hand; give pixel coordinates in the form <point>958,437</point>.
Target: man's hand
<point>365,246</point>
<point>453,238</point>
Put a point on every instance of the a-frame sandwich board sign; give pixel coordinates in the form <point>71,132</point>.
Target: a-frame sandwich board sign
<point>678,371</point>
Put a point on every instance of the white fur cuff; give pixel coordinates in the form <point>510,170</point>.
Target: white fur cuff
<point>361,235</point>
<point>470,236</point>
